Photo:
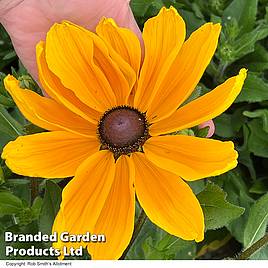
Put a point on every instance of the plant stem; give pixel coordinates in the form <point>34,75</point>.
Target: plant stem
<point>6,101</point>
<point>137,228</point>
<point>34,188</point>
<point>254,248</point>
<point>218,78</point>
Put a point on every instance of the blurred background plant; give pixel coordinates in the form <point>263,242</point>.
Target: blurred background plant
<point>235,204</point>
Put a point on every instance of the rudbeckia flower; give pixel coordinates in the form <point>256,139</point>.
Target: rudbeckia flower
<point>27,21</point>
<point>111,121</point>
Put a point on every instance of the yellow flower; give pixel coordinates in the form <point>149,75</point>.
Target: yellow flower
<point>106,117</point>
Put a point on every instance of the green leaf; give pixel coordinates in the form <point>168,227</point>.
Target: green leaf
<point>223,126</point>
<point>245,159</point>
<point>254,90</point>
<point>258,138</point>
<point>26,81</point>
<point>261,254</point>
<point>257,221</point>
<point>246,43</point>
<point>237,227</point>
<point>197,11</point>
<point>217,210</point>
<point>140,7</point>
<point>6,101</point>
<point>196,94</point>
<point>9,125</point>
<point>21,188</point>
<point>4,139</point>
<point>10,55</point>
<point>36,207</point>
<point>256,61</point>
<point>168,248</point>
<point>244,11</point>
<point>50,207</point>
<point>154,243</point>
<point>9,204</point>
<point>227,125</point>
<point>234,185</point>
<point>186,132</point>
<point>261,113</point>
<point>192,21</point>
<point>214,240</point>
<point>201,132</point>
<point>32,129</point>
<point>244,156</point>
<point>2,176</point>
<point>197,186</point>
<point>260,186</point>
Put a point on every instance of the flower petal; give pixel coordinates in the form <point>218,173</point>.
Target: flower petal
<point>85,195</point>
<point>202,109</point>
<point>167,200</point>
<point>54,154</point>
<point>84,65</point>
<point>124,48</point>
<point>163,37</point>
<point>100,200</point>
<point>45,112</point>
<point>115,77</point>
<point>190,157</point>
<point>59,228</point>
<point>185,72</point>
<point>27,22</point>
<point>55,89</point>
<point>116,220</point>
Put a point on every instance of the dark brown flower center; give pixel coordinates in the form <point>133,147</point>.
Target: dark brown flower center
<point>123,130</point>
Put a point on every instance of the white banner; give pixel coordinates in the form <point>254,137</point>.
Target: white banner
<point>135,264</point>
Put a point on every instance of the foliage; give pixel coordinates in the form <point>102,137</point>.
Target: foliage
<point>235,204</point>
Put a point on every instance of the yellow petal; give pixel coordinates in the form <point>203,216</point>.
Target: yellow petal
<point>70,56</point>
<point>59,228</point>
<point>167,200</point>
<point>202,109</point>
<point>85,195</point>
<point>185,72</point>
<point>124,48</point>
<point>190,157</point>
<point>47,113</point>
<point>163,37</point>
<point>100,200</point>
<point>55,89</point>
<point>116,220</point>
<point>111,69</point>
<point>54,154</point>
<point>84,66</point>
